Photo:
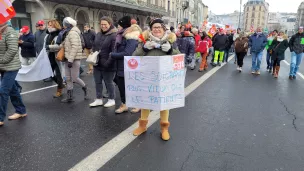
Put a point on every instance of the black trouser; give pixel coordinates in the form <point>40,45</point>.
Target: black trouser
<point>276,62</point>
<point>120,81</point>
<point>57,77</point>
<point>240,58</point>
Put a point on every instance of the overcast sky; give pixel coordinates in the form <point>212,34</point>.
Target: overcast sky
<point>228,6</point>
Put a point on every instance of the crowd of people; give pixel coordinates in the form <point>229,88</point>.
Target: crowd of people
<point>126,38</point>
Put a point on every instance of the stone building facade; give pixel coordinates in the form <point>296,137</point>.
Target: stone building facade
<point>255,14</point>
<point>86,11</point>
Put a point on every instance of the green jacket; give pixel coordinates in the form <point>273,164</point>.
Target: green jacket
<point>269,42</point>
<point>9,51</point>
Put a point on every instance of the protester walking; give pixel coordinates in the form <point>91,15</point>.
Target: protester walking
<point>88,37</point>
<point>73,53</point>
<point>186,45</point>
<point>52,48</point>
<point>296,45</point>
<point>40,35</point>
<point>241,48</point>
<point>257,43</point>
<point>268,55</point>
<point>125,44</point>
<point>278,48</point>
<point>107,66</point>
<point>9,67</point>
<point>157,43</point>
<point>203,48</point>
<point>220,44</point>
<point>27,44</point>
<point>235,36</point>
<point>229,44</point>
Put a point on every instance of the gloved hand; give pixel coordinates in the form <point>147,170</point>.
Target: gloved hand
<point>150,45</point>
<point>47,47</point>
<point>70,64</point>
<point>166,47</point>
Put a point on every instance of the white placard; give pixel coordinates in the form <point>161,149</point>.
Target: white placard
<point>155,82</point>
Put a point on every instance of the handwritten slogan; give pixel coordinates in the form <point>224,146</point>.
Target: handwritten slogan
<point>154,82</point>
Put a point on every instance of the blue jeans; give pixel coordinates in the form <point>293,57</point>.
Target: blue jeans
<point>296,60</point>
<point>10,89</point>
<point>256,60</point>
<point>226,55</point>
<point>108,78</point>
<point>269,61</point>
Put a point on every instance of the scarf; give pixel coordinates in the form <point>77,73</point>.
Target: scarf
<point>51,37</point>
<point>161,41</point>
<point>119,36</point>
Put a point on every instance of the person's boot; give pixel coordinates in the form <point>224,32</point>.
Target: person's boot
<point>277,72</point>
<point>85,91</point>
<point>273,70</point>
<point>58,93</point>
<point>69,97</point>
<point>165,130</point>
<point>141,128</point>
<point>123,108</point>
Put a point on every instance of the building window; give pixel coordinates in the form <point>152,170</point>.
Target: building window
<point>247,8</point>
<point>169,5</point>
<point>252,16</point>
<point>252,20</point>
<point>59,15</point>
<point>247,15</point>
<point>260,8</point>
<point>253,8</point>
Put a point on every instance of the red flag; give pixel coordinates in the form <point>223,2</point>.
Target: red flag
<point>6,11</point>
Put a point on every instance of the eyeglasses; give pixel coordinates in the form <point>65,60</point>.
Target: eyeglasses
<point>157,28</point>
<point>39,25</point>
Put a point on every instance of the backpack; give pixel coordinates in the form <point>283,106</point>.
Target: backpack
<point>202,46</point>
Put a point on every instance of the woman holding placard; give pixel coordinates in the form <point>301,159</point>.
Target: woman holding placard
<point>156,43</point>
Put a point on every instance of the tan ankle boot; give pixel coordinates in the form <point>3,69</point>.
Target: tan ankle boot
<point>142,127</point>
<point>165,130</point>
<point>58,93</point>
<point>123,108</point>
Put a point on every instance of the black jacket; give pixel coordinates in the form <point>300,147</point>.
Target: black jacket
<point>295,43</point>
<point>127,46</point>
<point>186,45</point>
<point>89,38</point>
<point>220,42</point>
<point>278,49</point>
<point>105,42</point>
<point>230,41</point>
<point>28,46</point>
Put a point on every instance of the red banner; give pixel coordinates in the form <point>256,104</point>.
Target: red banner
<point>6,11</point>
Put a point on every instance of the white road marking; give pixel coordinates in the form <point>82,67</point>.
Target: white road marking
<point>300,74</point>
<point>39,89</point>
<point>109,150</point>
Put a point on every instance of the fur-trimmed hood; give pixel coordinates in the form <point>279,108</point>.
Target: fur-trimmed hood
<point>133,32</point>
<point>146,36</point>
<point>112,30</point>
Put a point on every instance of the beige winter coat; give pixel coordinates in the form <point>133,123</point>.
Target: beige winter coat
<point>72,45</point>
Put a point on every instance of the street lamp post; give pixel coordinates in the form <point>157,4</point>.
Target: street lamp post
<point>185,5</point>
<point>239,25</point>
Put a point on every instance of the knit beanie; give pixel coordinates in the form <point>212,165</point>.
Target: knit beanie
<point>157,20</point>
<point>69,22</point>
<point>125,22</point>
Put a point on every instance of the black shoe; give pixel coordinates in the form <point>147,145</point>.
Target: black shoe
<point>213,64</point>
<point>294,77</point>
<point>219,64</point>
<point>270,70</point>
<point>291,77</point>
<point>85,91</point>
<point>69,97</point>
<point>48,80</point>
